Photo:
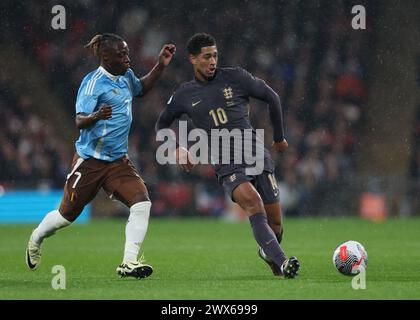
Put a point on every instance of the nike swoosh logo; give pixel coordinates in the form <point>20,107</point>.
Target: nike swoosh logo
<point>267,243</point>
<point>28,260</point>
<point>195,103</point>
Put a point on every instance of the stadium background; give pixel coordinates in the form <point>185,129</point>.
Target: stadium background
<point>350,98</point>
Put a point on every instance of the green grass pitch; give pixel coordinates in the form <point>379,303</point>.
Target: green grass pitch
<point>212,259</point>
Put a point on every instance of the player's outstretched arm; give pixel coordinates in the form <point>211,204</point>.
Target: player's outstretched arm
<point>267,94</point>
<point>257,88</point>
<point>274,105</point>
<point>165,57</point>
<point>84,120</point>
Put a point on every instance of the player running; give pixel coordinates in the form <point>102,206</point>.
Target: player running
<point>104,116</point>
<point>218,98</point>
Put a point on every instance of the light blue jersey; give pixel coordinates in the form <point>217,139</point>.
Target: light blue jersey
<point>106,139</point>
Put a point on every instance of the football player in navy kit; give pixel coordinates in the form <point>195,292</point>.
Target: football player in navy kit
<point>218,98</point>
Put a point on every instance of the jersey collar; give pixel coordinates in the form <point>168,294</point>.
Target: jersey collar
<point>207,81</point>
<point>109,75</point>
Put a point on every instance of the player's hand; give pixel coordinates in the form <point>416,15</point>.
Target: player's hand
<point>166,54</point>
<point>280,146</point>
<point>104,112</point>
<point>183,159</point>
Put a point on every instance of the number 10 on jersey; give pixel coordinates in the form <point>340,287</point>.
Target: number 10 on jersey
<point>219,116</point>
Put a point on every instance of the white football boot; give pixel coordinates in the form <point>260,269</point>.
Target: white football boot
<point>33,255</point>
<point>134,269</point>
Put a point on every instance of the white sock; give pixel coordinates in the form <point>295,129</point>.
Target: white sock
<point>136,229</point>
<point>51,223</point>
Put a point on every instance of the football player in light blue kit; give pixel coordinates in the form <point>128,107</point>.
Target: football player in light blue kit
<point>104,116</point>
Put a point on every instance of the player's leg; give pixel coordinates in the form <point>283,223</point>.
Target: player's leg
<point>133,193</point>
<point>52,222</point>
<point>249,199</point>
<point>125,184</point>
<point>266,186</point>
<point>273,211</point>
<point>274,221</point>
<point>80,188</point>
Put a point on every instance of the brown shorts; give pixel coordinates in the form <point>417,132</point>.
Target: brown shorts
<point>118,178</point>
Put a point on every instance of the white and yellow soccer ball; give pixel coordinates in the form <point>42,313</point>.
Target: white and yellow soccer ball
<point>350,258</point>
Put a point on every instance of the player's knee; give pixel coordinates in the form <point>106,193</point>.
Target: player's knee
<point>70,214</point>
<point>70,217</point>
<point>138,198</point>
<point>252,203</point>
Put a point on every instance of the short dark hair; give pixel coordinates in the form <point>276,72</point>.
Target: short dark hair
<point>102,41</point>
<point>198,41</point>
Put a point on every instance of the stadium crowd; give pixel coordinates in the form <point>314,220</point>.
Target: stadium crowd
<point>31,152</point>
<point>310,57</point>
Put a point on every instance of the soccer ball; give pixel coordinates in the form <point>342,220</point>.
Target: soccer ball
<point>350,258</point>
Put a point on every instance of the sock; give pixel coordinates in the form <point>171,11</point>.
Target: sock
<point>266,238</point>
<point>48,226</point>
<point>136,229</point>
<point>279,237</point>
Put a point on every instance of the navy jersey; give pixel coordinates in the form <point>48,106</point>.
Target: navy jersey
<point>223,103</point>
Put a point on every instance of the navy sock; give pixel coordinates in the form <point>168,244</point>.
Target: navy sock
<point>266,238</point>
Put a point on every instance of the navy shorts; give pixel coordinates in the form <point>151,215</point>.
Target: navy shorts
<point>265,183</point>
